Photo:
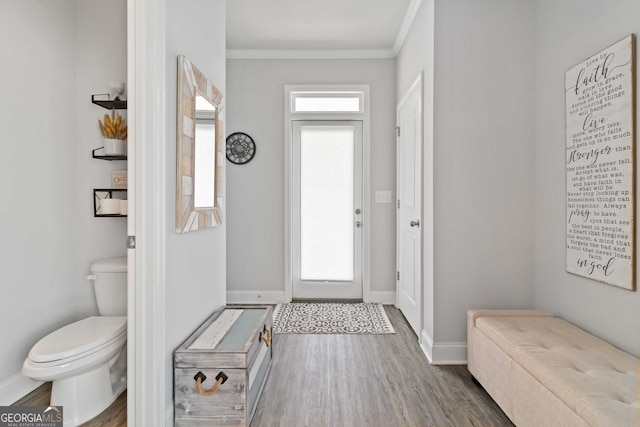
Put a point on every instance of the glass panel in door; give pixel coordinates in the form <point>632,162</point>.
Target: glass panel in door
<point>326,203</point>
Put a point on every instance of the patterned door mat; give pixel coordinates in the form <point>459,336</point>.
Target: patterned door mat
<point>331,318</point>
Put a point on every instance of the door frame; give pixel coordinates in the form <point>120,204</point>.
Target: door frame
<point>364,116</point>
<point>146,118</point>
<point>416,86</point>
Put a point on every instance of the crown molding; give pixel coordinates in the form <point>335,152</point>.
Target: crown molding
<point>412,11</point>
<point>310,54</point>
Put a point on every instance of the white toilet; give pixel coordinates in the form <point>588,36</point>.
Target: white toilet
<point>87,360</point>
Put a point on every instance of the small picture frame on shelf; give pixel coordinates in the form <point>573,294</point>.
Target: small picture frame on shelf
<point>119,179</point>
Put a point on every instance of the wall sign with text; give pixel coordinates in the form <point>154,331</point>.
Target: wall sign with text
<point>600,143</point>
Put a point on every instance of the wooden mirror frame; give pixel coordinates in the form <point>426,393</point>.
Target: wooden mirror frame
<point>192,82</point>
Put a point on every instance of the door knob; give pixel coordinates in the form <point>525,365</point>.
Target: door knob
<point>415,223</point>
<point>358,224</point>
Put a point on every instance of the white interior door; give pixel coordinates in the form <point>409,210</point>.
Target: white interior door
<point>326,238</point>
<point>409,182</point>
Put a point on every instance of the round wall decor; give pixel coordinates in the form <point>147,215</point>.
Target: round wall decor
<point>240,148</point>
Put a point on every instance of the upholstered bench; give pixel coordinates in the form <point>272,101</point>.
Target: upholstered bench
<point>544,371</point>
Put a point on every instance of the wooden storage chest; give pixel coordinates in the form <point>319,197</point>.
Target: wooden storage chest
<point>233,348</point>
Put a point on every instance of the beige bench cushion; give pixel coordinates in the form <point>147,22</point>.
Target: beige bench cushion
<point>589,375</point>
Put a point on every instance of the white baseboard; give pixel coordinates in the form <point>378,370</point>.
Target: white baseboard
<point>16,387</point>
<point>382,297</point>
<point>255,297</point>
<point>449,353</point>
<point>277,297</point>
<point>168,415</point>
<point>443,353</point>
<point>426,344</point>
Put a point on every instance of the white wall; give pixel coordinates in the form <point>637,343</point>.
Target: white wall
<point>484,173</point>
<point>483,157</point>
<point>99,60</point>
<point>563,41</point>
<point>37,179</point>
<point>196,262</point>
<point>256,190</point>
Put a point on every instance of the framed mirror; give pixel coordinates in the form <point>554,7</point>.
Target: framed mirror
<point>200,145</point>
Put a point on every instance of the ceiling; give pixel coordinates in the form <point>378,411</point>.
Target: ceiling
<point>314,24</point>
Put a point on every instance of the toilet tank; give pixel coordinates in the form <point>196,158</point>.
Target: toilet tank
<point>110,283</point>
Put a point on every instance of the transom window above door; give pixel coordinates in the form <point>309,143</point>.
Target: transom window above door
<point>327,102</point>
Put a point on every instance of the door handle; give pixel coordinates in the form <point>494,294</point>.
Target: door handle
<point>415,223</point>
<point>358,224</point>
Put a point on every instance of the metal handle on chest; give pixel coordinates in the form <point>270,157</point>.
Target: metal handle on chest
<point>221,378</point>
<point>265,336</point>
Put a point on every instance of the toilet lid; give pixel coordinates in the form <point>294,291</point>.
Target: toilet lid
<point>78,338</point>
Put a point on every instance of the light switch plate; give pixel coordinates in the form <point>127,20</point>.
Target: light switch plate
<point>383,196</point>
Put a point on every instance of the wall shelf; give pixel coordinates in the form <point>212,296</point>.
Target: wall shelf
<point>105,193</point>
<point>104,100</point>
<point>109,104</point>
<point>106,157</point>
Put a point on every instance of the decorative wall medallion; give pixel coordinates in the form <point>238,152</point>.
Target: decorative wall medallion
<point>240,148</point>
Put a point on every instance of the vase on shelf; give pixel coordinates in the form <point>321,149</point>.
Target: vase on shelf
<point>114,147</point>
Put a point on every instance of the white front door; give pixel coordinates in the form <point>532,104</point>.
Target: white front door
<point>409,191</point>
<point>327,209</point>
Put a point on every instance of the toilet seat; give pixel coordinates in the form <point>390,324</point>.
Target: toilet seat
<point>78,340</point>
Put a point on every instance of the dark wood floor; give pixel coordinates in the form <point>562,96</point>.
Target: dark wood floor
<point>368,381</point>
<point>352,381</point>
<point>114,416</point>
